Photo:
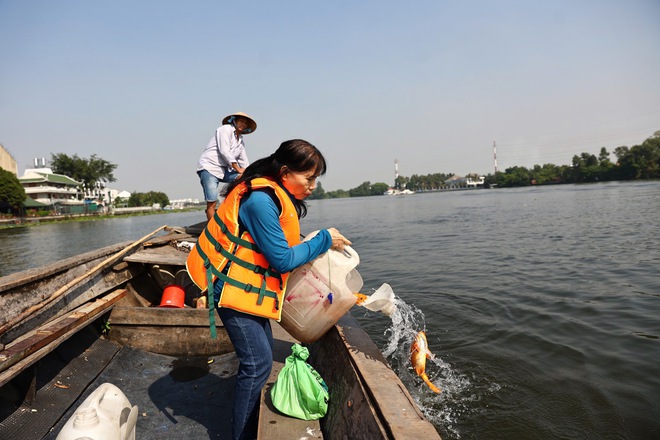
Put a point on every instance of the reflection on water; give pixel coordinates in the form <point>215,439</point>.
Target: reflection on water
<point>541,304</point>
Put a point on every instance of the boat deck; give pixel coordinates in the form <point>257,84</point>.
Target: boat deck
<point>177,398</point>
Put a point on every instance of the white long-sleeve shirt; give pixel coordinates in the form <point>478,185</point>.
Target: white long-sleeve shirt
<point>222,150</point>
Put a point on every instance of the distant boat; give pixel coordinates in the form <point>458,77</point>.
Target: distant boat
<point>397,192</point>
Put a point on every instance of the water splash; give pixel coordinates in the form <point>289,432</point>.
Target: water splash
<point>444,410</point>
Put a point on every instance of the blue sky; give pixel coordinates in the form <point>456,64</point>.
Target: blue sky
<point>433,84</point>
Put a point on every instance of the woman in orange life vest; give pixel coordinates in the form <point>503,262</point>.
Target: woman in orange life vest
<point>250,245</point>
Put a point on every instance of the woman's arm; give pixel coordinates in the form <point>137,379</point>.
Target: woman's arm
<point>260,215</point>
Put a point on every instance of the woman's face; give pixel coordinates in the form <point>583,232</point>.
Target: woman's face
<point>300,184</point>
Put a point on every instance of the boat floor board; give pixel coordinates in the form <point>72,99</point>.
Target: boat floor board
<point>164,255</point>
<point>274,425</point>
<point>84,356</point>
<point>42,340</point>
<point>182,398</point>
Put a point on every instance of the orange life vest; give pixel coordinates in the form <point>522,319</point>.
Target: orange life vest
<point>251,285</point>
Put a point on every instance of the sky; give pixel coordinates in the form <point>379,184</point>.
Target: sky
<point>433,84</point>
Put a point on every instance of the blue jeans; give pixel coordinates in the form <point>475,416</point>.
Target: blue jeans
<point>211,183</point>
<point>252,337</point>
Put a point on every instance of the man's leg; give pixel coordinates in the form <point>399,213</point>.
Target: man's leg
<point>210,209</point>
<point>210,185</point>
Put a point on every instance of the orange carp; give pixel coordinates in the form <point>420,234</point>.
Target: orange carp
<point>419,352</point>
<point>360,297</point>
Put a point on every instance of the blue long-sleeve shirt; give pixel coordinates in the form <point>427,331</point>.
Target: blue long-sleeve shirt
<point>259,214</point>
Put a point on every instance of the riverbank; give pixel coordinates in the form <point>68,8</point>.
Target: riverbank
<point>19,222</point>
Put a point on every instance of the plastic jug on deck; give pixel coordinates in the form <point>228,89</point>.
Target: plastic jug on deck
<point>105,415</point>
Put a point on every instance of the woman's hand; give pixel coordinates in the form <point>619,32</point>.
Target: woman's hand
<point>338,240</point>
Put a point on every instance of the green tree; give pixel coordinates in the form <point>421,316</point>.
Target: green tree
<point>364,189</point>
<point>640,161</point>
<point>378,188</point>
<point>548,173</point>
<point>148,199</point>
<point>12,193</point>
<point>586,168</point>
<point>318,193</point>
<point>338,194</point>
<point>514,176</point>
<point>401,182</point>
<point>89,171</point>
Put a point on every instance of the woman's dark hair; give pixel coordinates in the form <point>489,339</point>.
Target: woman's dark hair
<point>296,154</point>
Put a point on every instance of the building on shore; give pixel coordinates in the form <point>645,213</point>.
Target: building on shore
<point>45,189</point>
<point>455,182</point>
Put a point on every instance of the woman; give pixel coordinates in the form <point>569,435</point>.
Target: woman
<point>224,157</point>
<point>246,252</point>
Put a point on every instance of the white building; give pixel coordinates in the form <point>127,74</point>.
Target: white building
<point>48,188</point>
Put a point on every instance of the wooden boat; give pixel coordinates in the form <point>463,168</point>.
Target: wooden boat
<point>70,326</point>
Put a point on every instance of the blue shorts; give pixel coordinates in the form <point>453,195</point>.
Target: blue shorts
<point>211,183</point>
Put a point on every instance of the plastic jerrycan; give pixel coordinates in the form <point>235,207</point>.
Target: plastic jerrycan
<point>104,415</point>
<point>320,292</point>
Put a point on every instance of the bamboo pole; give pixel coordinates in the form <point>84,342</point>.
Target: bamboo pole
<point>59,292</point>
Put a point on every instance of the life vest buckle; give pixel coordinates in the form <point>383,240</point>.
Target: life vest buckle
<point>248,288</point>
<point>259,270</point>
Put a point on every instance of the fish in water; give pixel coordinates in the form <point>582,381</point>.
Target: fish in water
<point>419,352</point>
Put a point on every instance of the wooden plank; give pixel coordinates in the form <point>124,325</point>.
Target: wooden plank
<point>164,255</point>
<point>84,278</point>
<point>168,238</point>
<point>99,285</point>
<point>162,316</point>
<point>31,344</point>
<point>174,332</point>
<point>274,425</point>
<point>28,276</point>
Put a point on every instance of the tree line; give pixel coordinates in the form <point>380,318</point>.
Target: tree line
<point>638,162</point>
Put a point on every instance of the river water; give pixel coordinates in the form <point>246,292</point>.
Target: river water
<point>541,304</point>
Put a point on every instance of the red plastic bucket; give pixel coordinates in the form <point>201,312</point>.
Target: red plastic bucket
<point>173,296</point>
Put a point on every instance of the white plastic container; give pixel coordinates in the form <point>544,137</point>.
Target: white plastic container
<point>106,414</point>
<point>382,300</point>
<point>319,293</point>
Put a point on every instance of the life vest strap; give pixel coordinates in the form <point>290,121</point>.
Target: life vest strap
<point>209,293</point>
<point>247,287</point>
<point>233,237</point>
<point>267,272</point>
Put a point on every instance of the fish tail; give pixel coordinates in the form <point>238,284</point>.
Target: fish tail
<point>429,383</point>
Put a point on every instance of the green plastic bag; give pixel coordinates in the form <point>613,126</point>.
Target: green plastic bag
<point>299,390</point>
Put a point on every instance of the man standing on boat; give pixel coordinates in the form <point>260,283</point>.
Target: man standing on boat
<point>224,159</point>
